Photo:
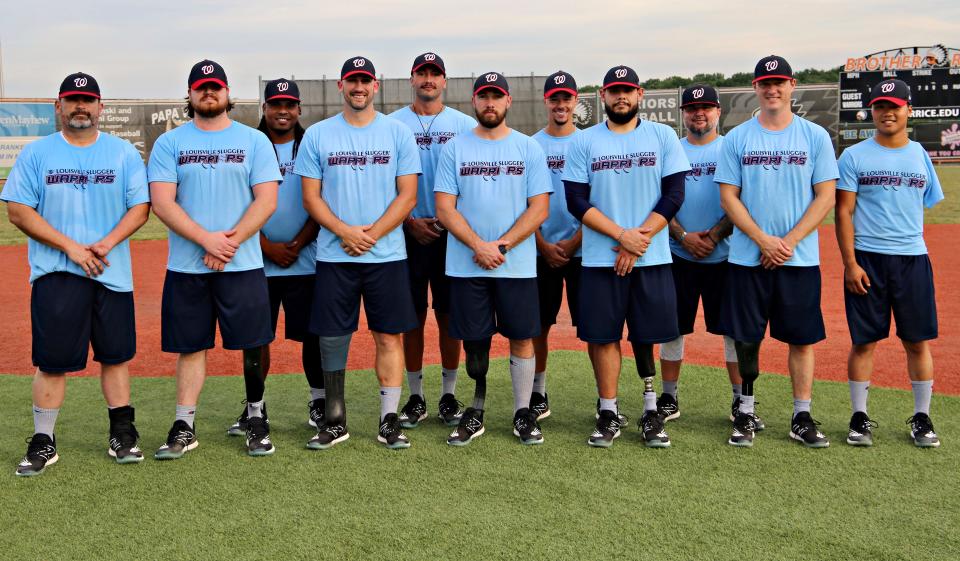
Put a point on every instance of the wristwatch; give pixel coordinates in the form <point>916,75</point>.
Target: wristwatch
<point>683,234</point>
<point>503,248</point>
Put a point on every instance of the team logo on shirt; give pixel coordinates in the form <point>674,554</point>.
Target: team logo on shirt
<point>286,167</point>
<point>773,159</point>
<point>555,164</point>
<point>208,159</point>
<point>892,180</point>
<point>79,178</point>
<point>489,171</point>
<point>623,163</point>
<point>358,160</point>
<point>701,169</point>
<point>425,140</point>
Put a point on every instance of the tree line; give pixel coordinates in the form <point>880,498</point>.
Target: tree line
<point>739,79</point>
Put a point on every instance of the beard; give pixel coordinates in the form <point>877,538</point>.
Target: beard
<point>209,112</point>
<point>489,121</point>
<point>621,118</point>
<point>78,122</point>
<point>702,130</point>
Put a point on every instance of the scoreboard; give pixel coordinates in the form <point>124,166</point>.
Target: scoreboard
<point>935,92</point>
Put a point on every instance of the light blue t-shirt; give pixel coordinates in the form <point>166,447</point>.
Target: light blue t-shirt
<point>624,173</point>
<point>82,192</point>
<point>358,169</point>
<point>560,224</point>
<point>701,200</point>
<point>215,172</point>
<point>289,218</point>
<point>893,186</point>
<point>776,172</point>
<point>492,180</point>
<point>431,133</point>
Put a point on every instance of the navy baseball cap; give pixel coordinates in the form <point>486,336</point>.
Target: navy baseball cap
<point>892,90</point>
<point>621,76</point>
<point>772,67</point>
<point>559,81</point>
<point>698,94</point>
<point>281,89</point>
<point>428,59</point>
<point>357,65</point>
<point>206,71</point>
<point>493,80</point>
<point>79,83</point>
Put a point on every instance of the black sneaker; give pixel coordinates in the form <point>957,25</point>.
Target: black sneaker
<point>470,427</point>
<point>450,410</point>
<point>744,428</point>
<point>123,436</point>
<point>804,429</point>
<point>316,412</point>
<point>239,427</point>
<point>653,434</point>
<point>623,419</point>
<point>540,405</point>
<point>180,440</point>
<point>526,428</point>
<point>861,430</point>
<point>668,407</point>
<point>390,434</point>
<point>921,430</point>
<point>328,436</point>
<point>41,452</point>
<point>413,412</point>
<point>758,424</point>
<point>608,428</point>
<point>258,437</point>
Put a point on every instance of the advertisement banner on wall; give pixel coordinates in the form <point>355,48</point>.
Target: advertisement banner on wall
<point>940,140</point>
<point>20,124</point>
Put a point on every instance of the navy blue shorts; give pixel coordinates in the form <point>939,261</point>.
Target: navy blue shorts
<point>384,287</point>
<point>695,281</point>
<point>787,297</point>
<point>295,293</point>
<point>550,288</point>
<point>194,303</point>
<point>70,313</point>
<point>427,264</point>
<point>645,299</point>
<point>901,283</point>
<point>482,306</point>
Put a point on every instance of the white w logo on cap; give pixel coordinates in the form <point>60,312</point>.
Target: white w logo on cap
<point>208,69</point>
<point>620,73</point>
<point>492,77</point>
<point>80,82</point>
<point>887,88</point>
<point>358,62</point>
<point>429,57</point>
<point>772,65</point>
<point>559,79</point>
<point>698,93</point>
<point>283,86</point>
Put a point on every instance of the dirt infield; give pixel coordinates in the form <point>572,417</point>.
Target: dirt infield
<point>149,259</point>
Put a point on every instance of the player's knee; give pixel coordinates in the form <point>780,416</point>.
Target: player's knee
<point>333,352</point>
<point>729,349</point>
<point>477,358</point>
<point>672,350</point>
<point>915,348</point>
<point>643,353</point>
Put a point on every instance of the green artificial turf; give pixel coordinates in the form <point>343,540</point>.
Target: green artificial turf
<point>495,499</point>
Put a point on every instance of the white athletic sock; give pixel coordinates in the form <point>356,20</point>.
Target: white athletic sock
<point>44,420</point>
<point>746,404</point>
<point>858,395</point>
<point>415,380</point>
<point>521,374</point>
<point>649,401</point>
<point>922,392</point>
<point>608,404</point>
<point>449,381</point>
<point>389,401</point>
<point>737,391</point>
<point>540,383</point>
<point>801,406</point>
<point>670,388</point>
<point>186,413</point>
<point>255,409</point>
<point>318,393</point>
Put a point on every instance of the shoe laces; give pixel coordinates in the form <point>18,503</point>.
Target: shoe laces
<point>864,424</point>
<point>450,406</point>
<point>257,427</point>
<point>920,423</point>
<point>40,446</point>
<point>745,422</point>
<point>611,424</point>
<point>651,423</point>
<point>181,436</point>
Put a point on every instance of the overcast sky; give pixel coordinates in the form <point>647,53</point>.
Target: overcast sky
<point>145,49</point>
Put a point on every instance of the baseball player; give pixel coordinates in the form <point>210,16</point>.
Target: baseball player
<point>78,195</point>
<point>288,242</point>
<point>359,172</point>
<point>624,181</point>
<point>433,124</point>
<point>213,182</point>
<point>492,192</point>
<point>560,235</point>
<point>885,183</point>
<point>777,176</point>
<point>699,244</point>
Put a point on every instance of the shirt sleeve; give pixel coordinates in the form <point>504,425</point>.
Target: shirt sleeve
<point>728,164</point>
<point>163,160</point>
<point>538,175</point>
<point>825,164</point>
<point>467,123</point>
<point>847,170</point>
<point>674,158</point>
<point>308,162</point>
<point>23,183</point>
<point>933,194</point>
<point>137,191</point>
<point>408,157</point>
<point>445,180</point>
<point>575,162</point>
<point>263,167</point>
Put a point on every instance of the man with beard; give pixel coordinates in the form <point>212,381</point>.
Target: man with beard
<point>78,195</point>
<point>492,193</point>
<point>359,171</point>
<point>558,238</point>
<point>777,177</point>
<point>699,244</point>
<point>624,182</point>
<point>214,182</point>
<point>288,242</point>
<point>433,124</point>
